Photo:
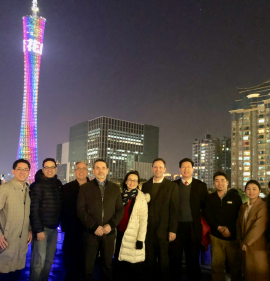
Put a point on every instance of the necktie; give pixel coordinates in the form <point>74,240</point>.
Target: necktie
<point>186,183</point>
<point>101,190</point>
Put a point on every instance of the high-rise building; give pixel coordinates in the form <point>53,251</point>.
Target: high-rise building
<point>33,32</point>
<point>143,168</point>
<point>205,155</point>
<point>118,142</point>
<point>209,156</point>
<point>62,152</point>
<point>225,157</point>
<point>250,136</point>
<point>168,176</point>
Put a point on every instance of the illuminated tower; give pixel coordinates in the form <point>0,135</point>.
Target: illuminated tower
<point>33,31</point>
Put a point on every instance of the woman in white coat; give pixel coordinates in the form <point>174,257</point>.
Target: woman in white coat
<point>131,231</point>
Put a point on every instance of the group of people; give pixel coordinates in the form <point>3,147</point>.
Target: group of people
<point>146,231</point>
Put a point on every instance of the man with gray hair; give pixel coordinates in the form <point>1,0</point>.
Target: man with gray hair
<point>72,226</point>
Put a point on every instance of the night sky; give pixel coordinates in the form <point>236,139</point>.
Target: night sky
<point>174,64</point>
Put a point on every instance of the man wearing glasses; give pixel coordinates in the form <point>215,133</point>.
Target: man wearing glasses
<point>72,226</point>
<point>46,207</point>
<point>15,230</point>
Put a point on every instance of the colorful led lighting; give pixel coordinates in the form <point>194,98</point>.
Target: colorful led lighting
<point>33,32</point>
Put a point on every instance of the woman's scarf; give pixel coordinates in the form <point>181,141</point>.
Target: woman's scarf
<point>129,195</point>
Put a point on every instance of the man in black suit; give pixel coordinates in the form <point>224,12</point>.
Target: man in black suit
<point>72,226</point>
<point>192,199</point>
<point>162,221</point>
<point>100,209</point>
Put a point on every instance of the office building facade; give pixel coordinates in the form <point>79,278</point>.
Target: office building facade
<point>118,142</point>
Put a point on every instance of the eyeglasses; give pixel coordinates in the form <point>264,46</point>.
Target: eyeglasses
<point>135,181</point>
<point>81,169</point>
<point>22,170</point>
<point>49,168</point>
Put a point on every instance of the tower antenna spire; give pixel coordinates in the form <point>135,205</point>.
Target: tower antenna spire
<point>35,8</point>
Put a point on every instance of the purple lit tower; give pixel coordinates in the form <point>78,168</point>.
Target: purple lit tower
<point>33,32</point>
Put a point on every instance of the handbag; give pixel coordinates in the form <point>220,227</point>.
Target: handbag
<point>2,250</point>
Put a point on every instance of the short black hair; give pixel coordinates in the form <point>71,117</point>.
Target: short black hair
<point>48,159</point>
<point>100,160</point>
<point>220,173</point>
<point>159,159</point>
<point>253,181</point>
<point>21,161</point>
<point>186,160</point>
<point>126,177</point>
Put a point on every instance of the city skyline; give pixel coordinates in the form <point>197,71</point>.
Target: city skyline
<point>174,66</point>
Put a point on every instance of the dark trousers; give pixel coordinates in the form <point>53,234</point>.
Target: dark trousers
<point>11,276</point>
<point>125,271</point>
<point>93,244</point>
<point>157,256</point>
<point>183,242</point>
<point>73,256</point>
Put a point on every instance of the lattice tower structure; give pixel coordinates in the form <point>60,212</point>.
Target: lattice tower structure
<point>33,33</point>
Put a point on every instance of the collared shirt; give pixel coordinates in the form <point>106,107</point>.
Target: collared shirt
<point>189,181</point>
<point>158,181</point>
<point>249,206</point>
<point>100,183</point>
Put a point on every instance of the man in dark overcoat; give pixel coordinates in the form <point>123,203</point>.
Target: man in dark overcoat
<point>72,226</point>
<point>162,221</point>
<point>192,200</point>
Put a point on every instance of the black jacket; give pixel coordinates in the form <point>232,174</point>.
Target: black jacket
<point>70,221</point>
<point>166,202</point>
<point>223,212</point>
<point>46,202</point>
<point>198,195</point>
<point>95,211</point>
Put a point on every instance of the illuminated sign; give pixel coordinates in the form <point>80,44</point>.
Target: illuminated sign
<point>32,45</point>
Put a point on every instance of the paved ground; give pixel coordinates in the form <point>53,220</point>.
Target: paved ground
<point>58,272</point>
